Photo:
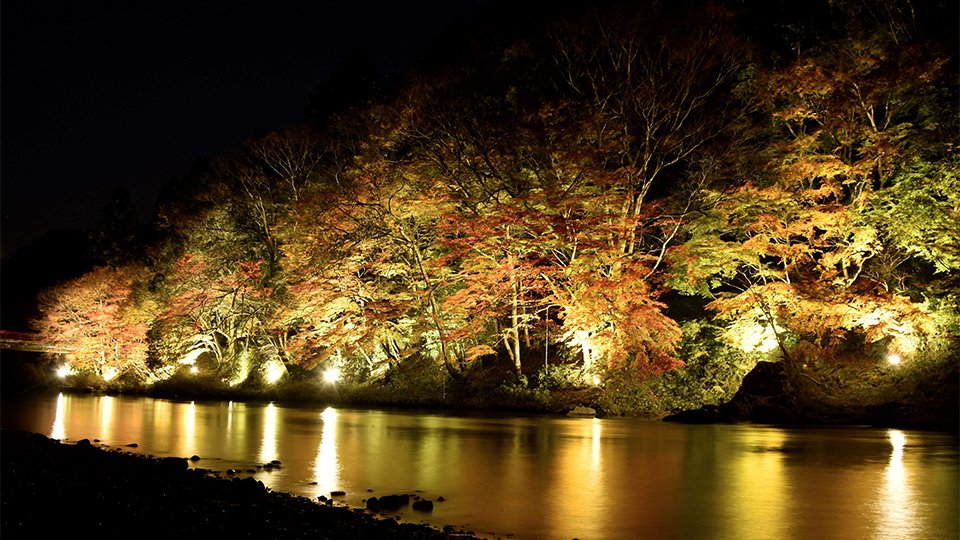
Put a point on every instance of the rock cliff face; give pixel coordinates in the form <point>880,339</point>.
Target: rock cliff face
<point>772,394</point>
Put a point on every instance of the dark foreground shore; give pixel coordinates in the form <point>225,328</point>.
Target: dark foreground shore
<point>48,488</point>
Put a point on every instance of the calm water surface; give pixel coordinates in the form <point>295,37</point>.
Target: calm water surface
<point>542,477</point>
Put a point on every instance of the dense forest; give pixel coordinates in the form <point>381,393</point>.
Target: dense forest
<point>627,205</point>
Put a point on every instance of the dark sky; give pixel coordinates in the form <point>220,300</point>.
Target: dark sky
<point>97,96</point>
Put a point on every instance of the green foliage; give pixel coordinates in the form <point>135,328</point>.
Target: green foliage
<point>920,212</point>
<point>711,375</point>
<point>558,377</point>
<point>417,382</point>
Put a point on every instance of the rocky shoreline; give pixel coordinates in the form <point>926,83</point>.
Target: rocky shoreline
<point>772,394</point>
<point>49,488</point>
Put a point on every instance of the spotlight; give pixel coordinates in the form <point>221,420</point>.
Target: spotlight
<point>331,375</point>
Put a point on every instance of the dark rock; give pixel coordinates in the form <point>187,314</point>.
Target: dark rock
<point>373,504</point>
<point>194,458</point>
<point>172,464</point>
<point>708,414</point>
<point>132,445</point>
<point>250,485</point>
<point>766,396</point>
<point>440,499</point>
<point>337,493</point>
<point>393,502</point>
<point>423,505</point>
<point>83,442</point>
<point>581,411</point>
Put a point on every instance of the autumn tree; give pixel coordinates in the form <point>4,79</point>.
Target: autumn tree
<point>809,247</point>
<point>101,319</point>
<point>654,94</point>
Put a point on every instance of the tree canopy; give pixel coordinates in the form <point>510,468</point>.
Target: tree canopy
<point>558,193</point>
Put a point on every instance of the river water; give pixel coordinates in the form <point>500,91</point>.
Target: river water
<point>529,477</point>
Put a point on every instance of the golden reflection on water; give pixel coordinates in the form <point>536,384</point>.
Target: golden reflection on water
<point>268,442</point>
<point>595,455</point>
<point>162,415</point>
<point>556,478</point>
<point>579,477</point>
<point>58,431</point>
<point>189,418</point>
<point>895,503</point>
<point>757,507</point>
<point>106,416</point>
<point>237,427</point>
<point>326,467</point>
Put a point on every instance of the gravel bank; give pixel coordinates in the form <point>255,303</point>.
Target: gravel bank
<point>48,488</point>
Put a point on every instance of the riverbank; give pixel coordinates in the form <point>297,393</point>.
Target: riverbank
<point>49,488</point>
<point>918,395</point>
<point>772,393</point>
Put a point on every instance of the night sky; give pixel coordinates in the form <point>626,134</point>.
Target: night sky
<point>99,96</point>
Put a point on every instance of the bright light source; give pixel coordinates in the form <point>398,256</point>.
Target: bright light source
<point>596,380</point>
<point>110,373</point>
<point>331,375</point>
<point>753,336</point>
<point>194,369</point>
<point>329,414</point>
<point>274,372</point>
<point>64,371</point>
<point>894,359</point>
<point>191,357</point>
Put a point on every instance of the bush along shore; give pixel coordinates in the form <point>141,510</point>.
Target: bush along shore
<point>49,489</point>
<point>924,393</point>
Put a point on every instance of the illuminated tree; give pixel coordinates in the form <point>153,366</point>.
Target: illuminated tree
<point>811,248</point>
<point>343,296</point>
<point>101,320</point>
<point>654,95</point>
<point>217,308</point>
<point>501,272</point>
<point>358,260</point>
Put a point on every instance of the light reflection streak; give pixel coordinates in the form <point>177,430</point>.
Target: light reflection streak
<point>190,424</point>
<point>327,466</point>
<point>162,416</point>
<point>580,476</point>
<point>59,432</point>
<point>106,417</point>
<point>229,420</point>
<point>268,444</point>
<point>761,491</point>
<point>895,504</point>
<point>595,449</point>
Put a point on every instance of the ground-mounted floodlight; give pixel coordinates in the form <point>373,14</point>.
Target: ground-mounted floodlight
<point>331,375</point>
<point>274,372</point>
